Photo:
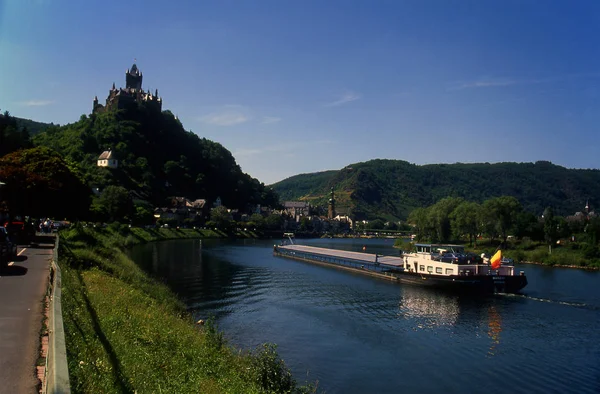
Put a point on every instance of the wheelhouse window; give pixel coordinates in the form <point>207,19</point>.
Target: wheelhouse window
<point>438,270</point>
<point>422,268</point>
<point>429,269</point>
<point>449,271</point>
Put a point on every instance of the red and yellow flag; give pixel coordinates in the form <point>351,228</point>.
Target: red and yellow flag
<point>496,260</point>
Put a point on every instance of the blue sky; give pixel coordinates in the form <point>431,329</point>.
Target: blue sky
<point>293,87</point>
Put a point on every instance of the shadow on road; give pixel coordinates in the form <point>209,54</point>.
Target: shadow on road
<point>19,258</point>
<point>13,270</point>
<point>37,246</point>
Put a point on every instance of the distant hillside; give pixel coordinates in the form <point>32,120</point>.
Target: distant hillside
<point>157,158</point>
<point>391,189</point>
<point>32,126</point>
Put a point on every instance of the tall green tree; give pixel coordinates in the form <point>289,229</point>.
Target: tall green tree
<point>550,228</point>
<point>419,218</point>
<point>12,137</point>
<point>117,203</point>
<point>440,217</point>
<point>464,220</point>
<point>503,212</point>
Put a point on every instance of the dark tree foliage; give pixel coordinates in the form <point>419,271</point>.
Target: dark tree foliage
<point>157,158</point>
<point>117,203</point>
<point>393,188</point>
<point>32,126</point>
<point>12,135</point>
<point>40,183</point>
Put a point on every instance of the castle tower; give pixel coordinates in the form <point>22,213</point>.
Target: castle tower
<point>133,78</point>
<point>331,211</point>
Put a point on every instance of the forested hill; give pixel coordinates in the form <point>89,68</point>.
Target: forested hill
<point>157,158</point>
<point>390,189</point>
<point>32,126</point>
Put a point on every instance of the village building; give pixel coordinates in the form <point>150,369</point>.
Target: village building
<point>296,209</point>
<point>107,159</point>
<point>180,209</point>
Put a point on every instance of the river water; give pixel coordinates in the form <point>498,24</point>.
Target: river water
<point>357,334</point>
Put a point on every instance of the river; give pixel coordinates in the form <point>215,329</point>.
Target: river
<point>357,334</point>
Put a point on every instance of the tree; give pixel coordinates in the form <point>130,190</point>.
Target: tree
<point>550,228</point>
<point>274,222</point>
<point>40,183</point>
<point>465,220</point>
<point>305,224</point>
<point>116,202</point>
<point>376,224</point>
<point>503,212</point>
<point>221,217</point>
<point>439,215</point>
<point>420,219</point>
<point>12,137</point>
<point>257,220</point>
<point>526,225</point>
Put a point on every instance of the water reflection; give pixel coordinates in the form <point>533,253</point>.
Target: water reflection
<point>427,308</point>
<point>494,329</point>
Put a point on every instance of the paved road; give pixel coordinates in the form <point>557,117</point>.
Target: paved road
<point>22,288</point>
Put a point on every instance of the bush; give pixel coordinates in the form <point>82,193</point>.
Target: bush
<point>527,244</point>
<point>517,255</point>
<point>591,251</point>
<point>537,256</point>
<point>270,372</point>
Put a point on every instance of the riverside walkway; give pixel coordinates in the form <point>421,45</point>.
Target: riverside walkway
<point>23,285</point>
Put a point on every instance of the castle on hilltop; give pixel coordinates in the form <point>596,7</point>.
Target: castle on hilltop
<point>132,94</point>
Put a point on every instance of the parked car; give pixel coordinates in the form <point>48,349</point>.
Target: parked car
<point>455,258</point>
<point>20,232</point>
<point>473,258</point>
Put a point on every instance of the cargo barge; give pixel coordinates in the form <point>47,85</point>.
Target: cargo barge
<point>433,265</point>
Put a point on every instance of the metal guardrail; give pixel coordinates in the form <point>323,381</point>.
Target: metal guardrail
<point>57,368</point>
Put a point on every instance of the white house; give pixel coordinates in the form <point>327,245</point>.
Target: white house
<point>107,159</point>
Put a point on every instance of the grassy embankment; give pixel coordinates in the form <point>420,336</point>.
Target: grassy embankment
<point>572,254</point>
<point>127,333</point>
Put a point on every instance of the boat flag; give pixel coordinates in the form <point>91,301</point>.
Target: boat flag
<point>496,260</point>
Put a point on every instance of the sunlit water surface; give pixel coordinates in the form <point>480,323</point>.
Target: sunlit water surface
<point>357,334</point>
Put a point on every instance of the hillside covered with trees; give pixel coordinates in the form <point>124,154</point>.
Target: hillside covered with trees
<point>392,189</point>
<point>157,158</point>
<point>56,171</point>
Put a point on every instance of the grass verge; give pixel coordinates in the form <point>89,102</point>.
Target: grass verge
<point>127,333</point>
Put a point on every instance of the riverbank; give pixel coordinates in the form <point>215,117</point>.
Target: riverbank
<point>126,332</point>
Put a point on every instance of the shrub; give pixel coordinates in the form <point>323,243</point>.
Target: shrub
<point>270,372</point>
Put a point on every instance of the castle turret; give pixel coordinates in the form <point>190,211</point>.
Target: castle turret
<point>133,78</point>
